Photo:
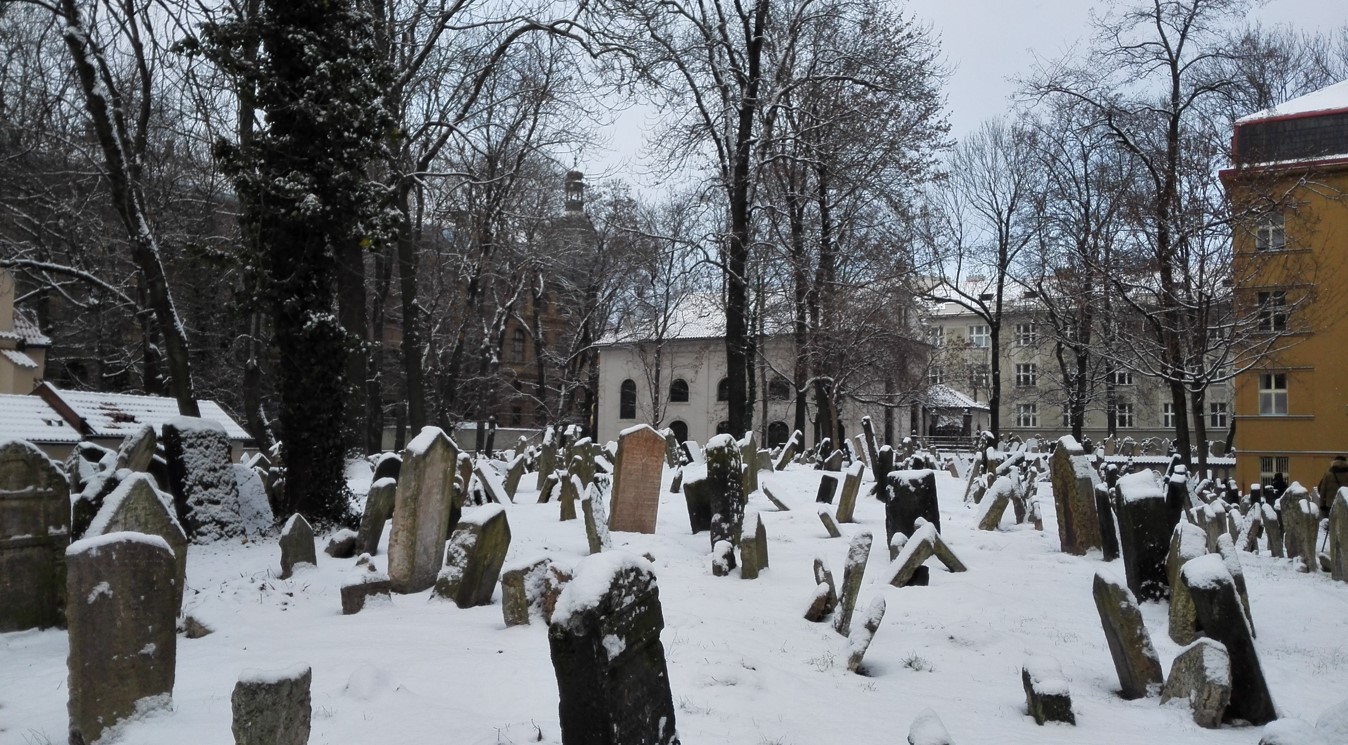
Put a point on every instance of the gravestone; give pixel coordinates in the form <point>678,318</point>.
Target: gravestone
<point>572,487</point>
<point>1201,675</point>
<point>474,557</point>
<point>1135,658</point>
<point>749,459</point>
<point>272,707</point>
<point>995,502</point>
<point>123,640</point>
<point>858,553</point>
<point>514,472</point>
<point>1046,693</point>
<point>727,497</point>
<point>604,638</point>
<point>201,478</point>
<point>522,588</point>
<point>847,500</point>
<point>297,545</point>
<point>825,599</point>
<point>34,533</point>
<point>1272,529</point>
<point>1074,496</point>
<point>872,449</point>
<point>491,483</point>
<point>779,504</point>
<point>790,450</point>
<point>547,453</point>
<point>692,452</point>
<point>367,586</point>
<point>672,451</point>
<point>1186,543</point>
<point>828,486</point>
<point>913,552</point>
<point>1104,511</point>
<point>859,640</point>
<point>910,495</point>
<point>830,525</point>
<point>137,450</point>
<point>1221,618</point>
<point>1338,536</point>
<point>927,729</point>
<point>389,466</point>
<point>342,544</point>
<point>595,512</point>
<point>378,509</point>
<point>422,502</point>
<point>834,462</point>
<point>697,495</point>
<point>676,483</point>
<point>884,463</point>
<point>254,505</point>
<point>549,486</point>
<point>137,506</point>
<point>636,480</point>
<point>1145,527</point>
<point>753,547</point>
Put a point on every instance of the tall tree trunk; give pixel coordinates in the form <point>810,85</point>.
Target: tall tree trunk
<point>413,349</point>
<point>351,314</point>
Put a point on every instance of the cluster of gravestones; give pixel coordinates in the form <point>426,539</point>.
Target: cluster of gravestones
<point>998,479</point>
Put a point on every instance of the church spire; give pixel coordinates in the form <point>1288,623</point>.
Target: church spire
<point>575,191</point>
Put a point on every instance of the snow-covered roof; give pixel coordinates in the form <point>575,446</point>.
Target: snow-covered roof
<point>29,331</point>
<point>1332,98</point>
<point>699,315</point>
<point>30,418</point>
<point>19,359</point>
<point>121,414</point>
<point>945,397</point>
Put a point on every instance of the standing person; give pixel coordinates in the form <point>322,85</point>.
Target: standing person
<point>1278,486</point>
<point>1335,477</point>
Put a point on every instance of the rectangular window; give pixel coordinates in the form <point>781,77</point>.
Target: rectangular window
<point>979,377</point>
<point>1168,415</point>
<point>1273,311</point>
<point>1217,415</point>
<point>1027,334</point>
<point>1027,375</point>
<point>980,337</point>
<point>1271,232</point>
<point>1269,465</point>
<point>936,336</point>
<point>1273,394</point>
<point>936,375</point>
<point>1027,415</point>
<point>1124,417</point>
<point>1121,377</point>
<point>1066,419</point>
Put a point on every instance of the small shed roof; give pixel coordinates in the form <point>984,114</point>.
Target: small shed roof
<point>121,414</point>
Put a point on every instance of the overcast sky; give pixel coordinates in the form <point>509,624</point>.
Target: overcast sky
<point>988,43</point>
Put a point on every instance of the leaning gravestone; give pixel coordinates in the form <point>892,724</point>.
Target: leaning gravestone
<point>872,445</point>
<point>858,552</point>
<point>594,510</point>
<point>523,585</point>
<point>1074,496</point>
<point>1046,694</point>
<point>378,508</point>
<point>1201,674</point>
<point>123,644</point>
<point>910,554</point>
<point>1338,536</point>
<point>859,640</point>
<point>1187,543</point>
<point>636,480</point>
<point>201,478</point>
<point>910,495</point>
<point>514,472</point>
<point>749,460</point>
<point>272,707</point>
<point>473,561</point>
<point>297,545</point>
<point>1221,618</point>
<point>137,450</point>
<point>1144,534</point>
<point>34,533</point>
<point>421,510</point>
<point>828,486</point>
<point>1135,659</point>
<point>847,499</point>
<point>137,506</point>
<point>697,495</point>
<point>825,599</point>
<point>604,637</point>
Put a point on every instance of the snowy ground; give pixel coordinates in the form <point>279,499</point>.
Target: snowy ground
<point>745,667</point>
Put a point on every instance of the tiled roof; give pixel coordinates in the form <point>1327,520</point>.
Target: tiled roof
<point>30,418</point>
<point>19,359</point>
<point>27,330</point>
<point>121,414</point>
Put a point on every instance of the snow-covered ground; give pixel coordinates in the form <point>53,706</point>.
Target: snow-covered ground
<point>745,667</point>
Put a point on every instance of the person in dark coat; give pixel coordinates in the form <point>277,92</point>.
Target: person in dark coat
<point>1278,486</point>
<point>1334,478</point>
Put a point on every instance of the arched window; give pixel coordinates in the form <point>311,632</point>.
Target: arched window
<point>678,391</point>
<point>517,346</point>
<point>723,390</point>
<point>777,434</point>
<point>680,430</point>
<point>779,389</point>
<point>723,428</point>
<point>627,400</point>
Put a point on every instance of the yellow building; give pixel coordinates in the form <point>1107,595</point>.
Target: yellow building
<point>23,347</point>
<point>1289,188</point>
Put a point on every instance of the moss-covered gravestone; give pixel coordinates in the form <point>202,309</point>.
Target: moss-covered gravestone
<point>1135,658</point>
<point>604,637</point>
<point>272,707</point>
<point>297,545</point>
<point>1074,496</point>
<point>34,533</point>
<point>378,509</point>
<point>137,506</point>
<point>1145,528</point>
<point>201,478</point>
<point>421,511</point>
<point>1221,618</point>
<point>473,561</point>
<point>727,492</point>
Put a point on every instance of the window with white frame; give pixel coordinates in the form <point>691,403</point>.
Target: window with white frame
<point>1027,375</point>
<point>1270,234</point>
<point>979,377</point>
<point>1217,415</point>
<point>1273,311</point>
<point>1273,394</point>
<point>1027,415</point>
<point>1121,377</point>
<point>1270,465</point>
<point>1027,334</point>
<point>980,336</point>
<point>936,375</point>
<point>936,336</point>
<point>1066,418</point>
<point>1168,415</point>
<point>1124,418</point>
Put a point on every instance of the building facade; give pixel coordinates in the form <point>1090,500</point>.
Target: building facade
<point>23,347</point>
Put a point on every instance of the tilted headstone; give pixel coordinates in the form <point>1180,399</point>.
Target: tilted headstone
<point>858,553</point>
<point>826,517</point>
<point>137,506</point>
<point>913,552</point>
<point>491,483</point>
<point>342,544</point>
<point>693,452</point>
<point>137,449</point>
<point>863,454</point>
<point>828,486</point>
<point>1047,696</point>
<point>884,463</point>
<point>825,599</point>
<point>753,547</point>
<point>514,472</point>
<point>604,638</point>
<point>388,466</point>
<point>422,502</point>
<point>995,502</point>
<point>859,639</point>
<point>779,504</point>
<point>672,451</point>
<point>636,480</point>
<point>697,495</point>
<point>1104,512</point>
<point>378,509</point>
<point>1135,658</point>
<point>201,478</point>
<point>1187,542</point>
<point>676,483</point>
<point>367,586</point>
<point>547,454</point>
<point>34,533</point>
<point>523,585</point>
<point>927,729</point>
<point>727,497</point>
<point>272,707</point>
<point>790,450</point>
<point>474,557</point>
<point>1272,529</point>
<point>1221,618</point>
<point>1074,496</point>
<point>872,445</point>
<point>910,495</point>
<point>851,487</point>
<point>749,460</point>
<point>834,462</point>
<point>1144,534</point>
<point>297,545</point>
<point>123,642</point>
<point>1201,675</point>
<point>1338,536</point>
<point>594,509</point>
<point>572,487</point>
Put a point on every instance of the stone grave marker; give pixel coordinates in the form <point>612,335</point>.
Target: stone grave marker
<point>847,500</point>
<point>388,466</point>
<point>1074,496</point>
<point>201,478</point>
<point>34,533</point>
<point>137,450</point>
<point>910,495</point>
<point>514,472</point>
<point>913,552</point>
<point>123,640</point>
<point>858,552</point>
<point>1104,511</point>
<point>1145,528</point>
<point>753,547</point>
<point>828,486</point>
<point>834,462</point>
<point>749,460</point>
<point>860,638</point>
<point>342,544</point>
<point>367,586</point>
<point>825,599</point>
<point>297,545</point>
<point>1221,618</point>
<point>595,512</point>
<point>474,558</point>
<point>790,450</point>
<point>1186,543</point>
<point>1272,529</point>
<point>636,480</point>
<point>872,444</point>
<point>676,483</point>
<point>692,452</point>
<point>378,509</point>
<point>779,504</point>
<point>1338,536</point>
<point>1135,659</point>
<point>697,494</point>
<point>522,588</point>
<point>272,707</point>
<point>572,487</point>
<point>830,525</point>
<point>1201,675</point>
<point>1046,693</point>
<point>727,497</point>
<point>672,451</point>
<point>995,502</point>
<point>137,506</point>
<point>547,453</point>
<point>422,502</point>
<point>491,482</point>
<point>606,652</point>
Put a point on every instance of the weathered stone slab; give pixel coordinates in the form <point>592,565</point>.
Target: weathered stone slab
<point>523,586</point>
<point>201,478</point>
<point>1188,542</point>
<point>572,487</point>
<point>1047,696</point>
<point>1201,674</point>
<point>1221,618</point>
<point>1338,536</point>
<point>1104,512</point>
<point>872,445</point>
<point>272,707</point>
<point>910,495</point>
<point>913,552</point>
<point>825,598</point>
<point>422,503</point>
<point>1135,659</point>
<point>514,472</point>
<point>995,502</point>
<point>789,451</point>
<point>367,587</point>
<point>828,486</point>
<point>636,483</point>
<point>830,525</point>
<point>851,486</point>
<point>297,545</point>
<point>753,547</point>
<point>123,641</point>
<point>927,729</point>
<point>389,466</point>
<point>1145,528</point>
<point>1074,497</point>
<point>834,461</point>
<point>727,495</point>
<point>779,504</point>
<point>604,637</point>
<point>858,553</point>
<point>1227,550</point>
<point>749,461</point>
<point>474,558</point>
<point>859,639</point>
<point>676,483</point>
<point>594,511</point>
<point>1272,529</point>
<point>378,509</point>
<point>137,506</point>
<point>491,482</point>
<point>137,450</point>
<point>697,495</point>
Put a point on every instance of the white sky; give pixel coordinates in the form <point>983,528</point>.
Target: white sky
<point>989,43</point>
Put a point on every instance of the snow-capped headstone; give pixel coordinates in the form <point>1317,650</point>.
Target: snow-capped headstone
<point>697,495</point>
<point>1104,512</point>
<point>1273,531</point>
<point>272,707</point>
<point>137,506</point>
<point>1338,536</point>
<point>122,630</point>
<point>851,486</point>
<point>1046,693</point>
<point>378,508</point>
<point>636,480</point>
<point>826,517</point>
<point>1144,534</point>
<point>1186,543</point>
<point>672,452</point>
<point>255,513</point>
<point>828,486</point>
<point>491,482</point>
<point>572,488</point>
<point>201,478</point>
<point>995,502</point>
<point>514,472</point>
<point>342,544</point>
<point>297,545</point>
<point>825,598</point>
<point>422,501</point>
<point>547,452</point>
<point>790,450</point>
<point>727,496</point>
<point>1074,497</point>
<point>913,552</point>
<point>859,639</point>
<point>388,466</point>
<point>834,461</point>
<point>594,511</point>
<point>34,533</point>
<point>927,729</point>
<point>910,495</point>
<point>779,504</point>
<point>612,680</point>
<point>474,558</point>
<point>137,449</point>
<point>749,460</point>
<point>522,588</point>
<point>872,445</point>
<point>676,483</point>
<point>1226,548</point>
<point>1135,658</point>
<point>1221,618</point>
<point>364,587</point>
<point>753,547</point>
<point>858,553</point>
<point>1201,675</point>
